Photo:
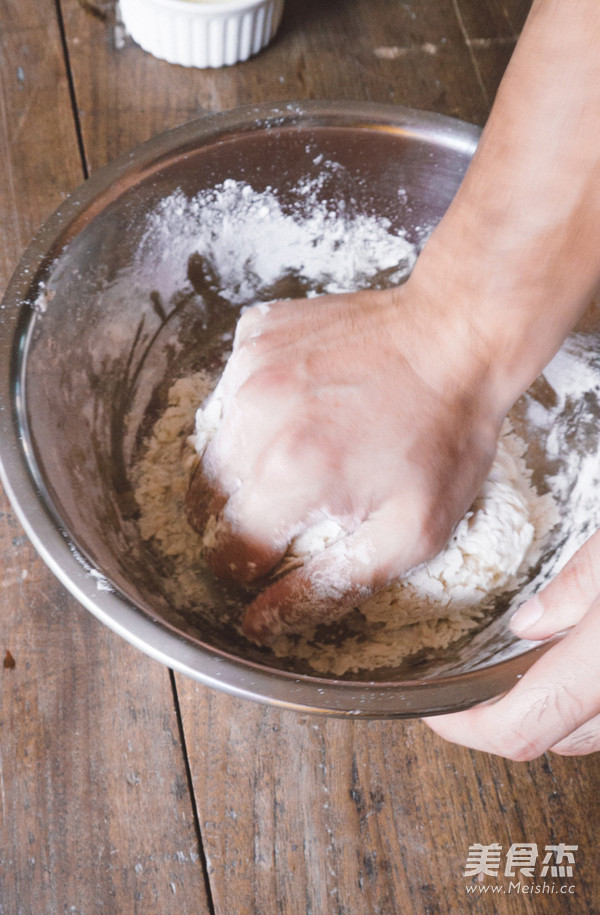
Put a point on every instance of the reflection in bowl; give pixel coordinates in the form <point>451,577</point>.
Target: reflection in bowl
<point>132,286</point>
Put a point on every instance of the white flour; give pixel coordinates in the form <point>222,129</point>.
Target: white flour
<point>250,244</point>
<point>563,407</point>
<point>490,552</point>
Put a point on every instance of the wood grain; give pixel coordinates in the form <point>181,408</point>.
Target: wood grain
<point>95,811</point>
<point>102,765</point>
<point>384,51</point>
<point>325,815</point>
<point>38,152</point>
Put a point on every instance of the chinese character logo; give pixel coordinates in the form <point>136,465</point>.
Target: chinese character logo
<point>521,857</point>
<point>559,860</point>
<point>483,859</point>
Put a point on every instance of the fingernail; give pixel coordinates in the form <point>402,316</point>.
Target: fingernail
<point>527,615</point>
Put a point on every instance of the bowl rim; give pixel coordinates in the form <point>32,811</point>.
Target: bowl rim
<point>156,637</point>
<point>209,8</point>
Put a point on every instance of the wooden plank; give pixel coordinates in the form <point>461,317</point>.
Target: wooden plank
<point>411,54</point>
<point>38,155</point>
<point>490,31</point>
<point>308,814</point>
<point>301,813</point>
<point>317,815</point>
<point>95,811</point>
<point>94,801</point>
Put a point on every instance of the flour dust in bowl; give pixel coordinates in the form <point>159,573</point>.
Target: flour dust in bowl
<point>119,320</point>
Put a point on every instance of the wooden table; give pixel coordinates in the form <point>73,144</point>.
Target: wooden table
<point>125,787</point>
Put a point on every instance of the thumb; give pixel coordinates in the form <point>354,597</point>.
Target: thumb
<point>328,585</point>
<point>566,600</point>
<point>332,582</point>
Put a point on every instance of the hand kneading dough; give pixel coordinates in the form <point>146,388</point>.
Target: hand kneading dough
<point>492,547</point>
<point>428,610</point>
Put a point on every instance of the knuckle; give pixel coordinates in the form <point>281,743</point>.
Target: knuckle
<point>576,575</point>
<point>581,742</point>
<point>521,749</point>
<point>580,579</point>
<point>250,324</point>
<point>513,741</point>
<point>247,319</point>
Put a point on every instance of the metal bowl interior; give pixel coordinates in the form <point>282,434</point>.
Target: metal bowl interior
<point>92,336</point>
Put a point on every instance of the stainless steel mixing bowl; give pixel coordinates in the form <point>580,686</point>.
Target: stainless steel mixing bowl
<point>88,350</point>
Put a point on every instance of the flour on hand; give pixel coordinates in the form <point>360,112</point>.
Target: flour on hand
<point>490,551</point>
<point>232,228</point>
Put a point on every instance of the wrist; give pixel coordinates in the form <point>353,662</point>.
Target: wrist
<point>435,334</point>
<point>517,251</point>
<point>512,297</point>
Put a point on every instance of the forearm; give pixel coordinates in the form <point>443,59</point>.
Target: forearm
<point>518,252</point>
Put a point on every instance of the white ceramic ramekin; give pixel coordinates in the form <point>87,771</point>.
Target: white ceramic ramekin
<point>202,33</point>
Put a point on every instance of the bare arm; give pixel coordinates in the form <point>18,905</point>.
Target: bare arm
<point>428,369</point>
<point>530,210</point>
<point>519,248</point>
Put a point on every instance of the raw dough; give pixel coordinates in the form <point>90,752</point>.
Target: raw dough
<point>435,605</point>
<point>493,545</point>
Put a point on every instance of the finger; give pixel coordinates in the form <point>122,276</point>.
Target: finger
<point>329,584</point>
<point>585,739</point>
<point>557,696</point>
<point>229,552</point>
<point>254,446</point>
<point>566,599</point>
<point>247,539</point>
<point>251,322</point>
<point>201,500</point>
<point>321,591</point>
<point>250,326</point>
<point>234,554</point>
<point>274,492</point>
